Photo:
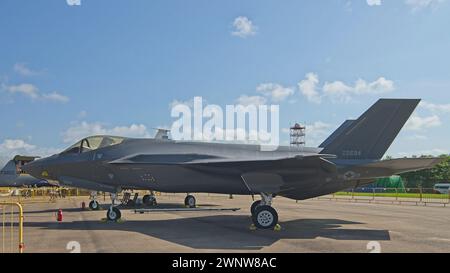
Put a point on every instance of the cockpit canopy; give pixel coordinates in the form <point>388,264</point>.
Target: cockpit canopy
<point>93,143</point>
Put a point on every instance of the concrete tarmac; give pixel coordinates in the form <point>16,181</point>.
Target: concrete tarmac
<point>307,226</point>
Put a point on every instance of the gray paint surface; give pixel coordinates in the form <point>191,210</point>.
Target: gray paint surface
<point>10,178</point>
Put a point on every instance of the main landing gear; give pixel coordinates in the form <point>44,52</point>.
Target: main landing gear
<point>113,213</point>
<point>264,216</point>
<point>149,199</point>
<point>94,205</point>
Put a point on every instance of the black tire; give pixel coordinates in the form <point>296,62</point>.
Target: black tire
<point>190,201</point>
<point>265,217</point>
<point>254,206</point>
<point>149,200</point>
<point>146,199</point>
<point>113,214</point>
<point>94,205</point>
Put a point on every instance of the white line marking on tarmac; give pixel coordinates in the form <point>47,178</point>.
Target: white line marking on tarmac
<point>439,239</point>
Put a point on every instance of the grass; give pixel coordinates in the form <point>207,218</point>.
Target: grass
<point>394,195</point>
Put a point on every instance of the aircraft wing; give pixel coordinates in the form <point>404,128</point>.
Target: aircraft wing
<point>193,159</point>
<point>259,174</point>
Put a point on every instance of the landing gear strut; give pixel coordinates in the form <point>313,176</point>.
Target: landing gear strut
<point>113,213</point>
<point>94,205</point>
<point>264,216</point>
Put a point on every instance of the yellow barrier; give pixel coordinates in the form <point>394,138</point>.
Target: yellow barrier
<point>21,245</point>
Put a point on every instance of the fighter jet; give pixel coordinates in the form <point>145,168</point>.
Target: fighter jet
<point>350,157</point>
<point>12,175</point>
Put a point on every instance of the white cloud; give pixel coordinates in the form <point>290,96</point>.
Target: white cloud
<point>276,92</point>
<point>308,88</point>
<point>22,69</point>
<point>417,137</point>
<point>24,88</point>
<point>339,91</point>
<point>381,85</point>
<point>417,123</point>
<point>251,100</point>
<point>12,147</point>
<point>374,2</point>
<point>436,108</point>
<point>189,103</point>
<point>317,132</point>
<point>416,5</point>
<point>15,144</point>
<point>270,91</point>
<point>33,92</point>
<point>243,27</point>
<point>134,130</point>
<point>84,129</point>
<point>55,97</point>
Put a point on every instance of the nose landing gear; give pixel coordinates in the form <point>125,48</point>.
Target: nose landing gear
<point>190,201</point>
<point>113,213</point>
<point>94,205</point>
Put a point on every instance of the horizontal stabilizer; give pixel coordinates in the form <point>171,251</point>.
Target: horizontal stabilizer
<point>403,165</point>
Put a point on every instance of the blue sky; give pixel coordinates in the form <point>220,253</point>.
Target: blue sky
<point>115,66</point>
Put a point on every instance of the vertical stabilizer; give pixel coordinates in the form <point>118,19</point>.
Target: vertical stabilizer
<point>370,135</point>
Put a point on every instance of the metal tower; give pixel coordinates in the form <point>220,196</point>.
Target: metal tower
<point>297,133</point>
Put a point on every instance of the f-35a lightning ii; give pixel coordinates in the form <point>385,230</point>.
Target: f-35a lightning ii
<point>350,157</point>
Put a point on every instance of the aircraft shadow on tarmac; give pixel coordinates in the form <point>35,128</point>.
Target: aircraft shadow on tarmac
<point>106,207</point>
<point>226,231</point>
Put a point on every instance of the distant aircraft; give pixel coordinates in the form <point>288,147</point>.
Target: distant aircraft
<point>350,157</point>
<point>12,175</point>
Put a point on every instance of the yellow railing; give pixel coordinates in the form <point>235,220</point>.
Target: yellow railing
<point>5,233</point>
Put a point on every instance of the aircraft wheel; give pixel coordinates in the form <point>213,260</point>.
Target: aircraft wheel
<point>131,203</point>
<point>113,214</point>
<point>189,201</point>
<point>254,206</point>
<point>265,217</point>
<point>149,200</point>
<point>94,205</point>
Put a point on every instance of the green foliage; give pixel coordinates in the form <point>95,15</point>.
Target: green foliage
<point>427,178</point>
